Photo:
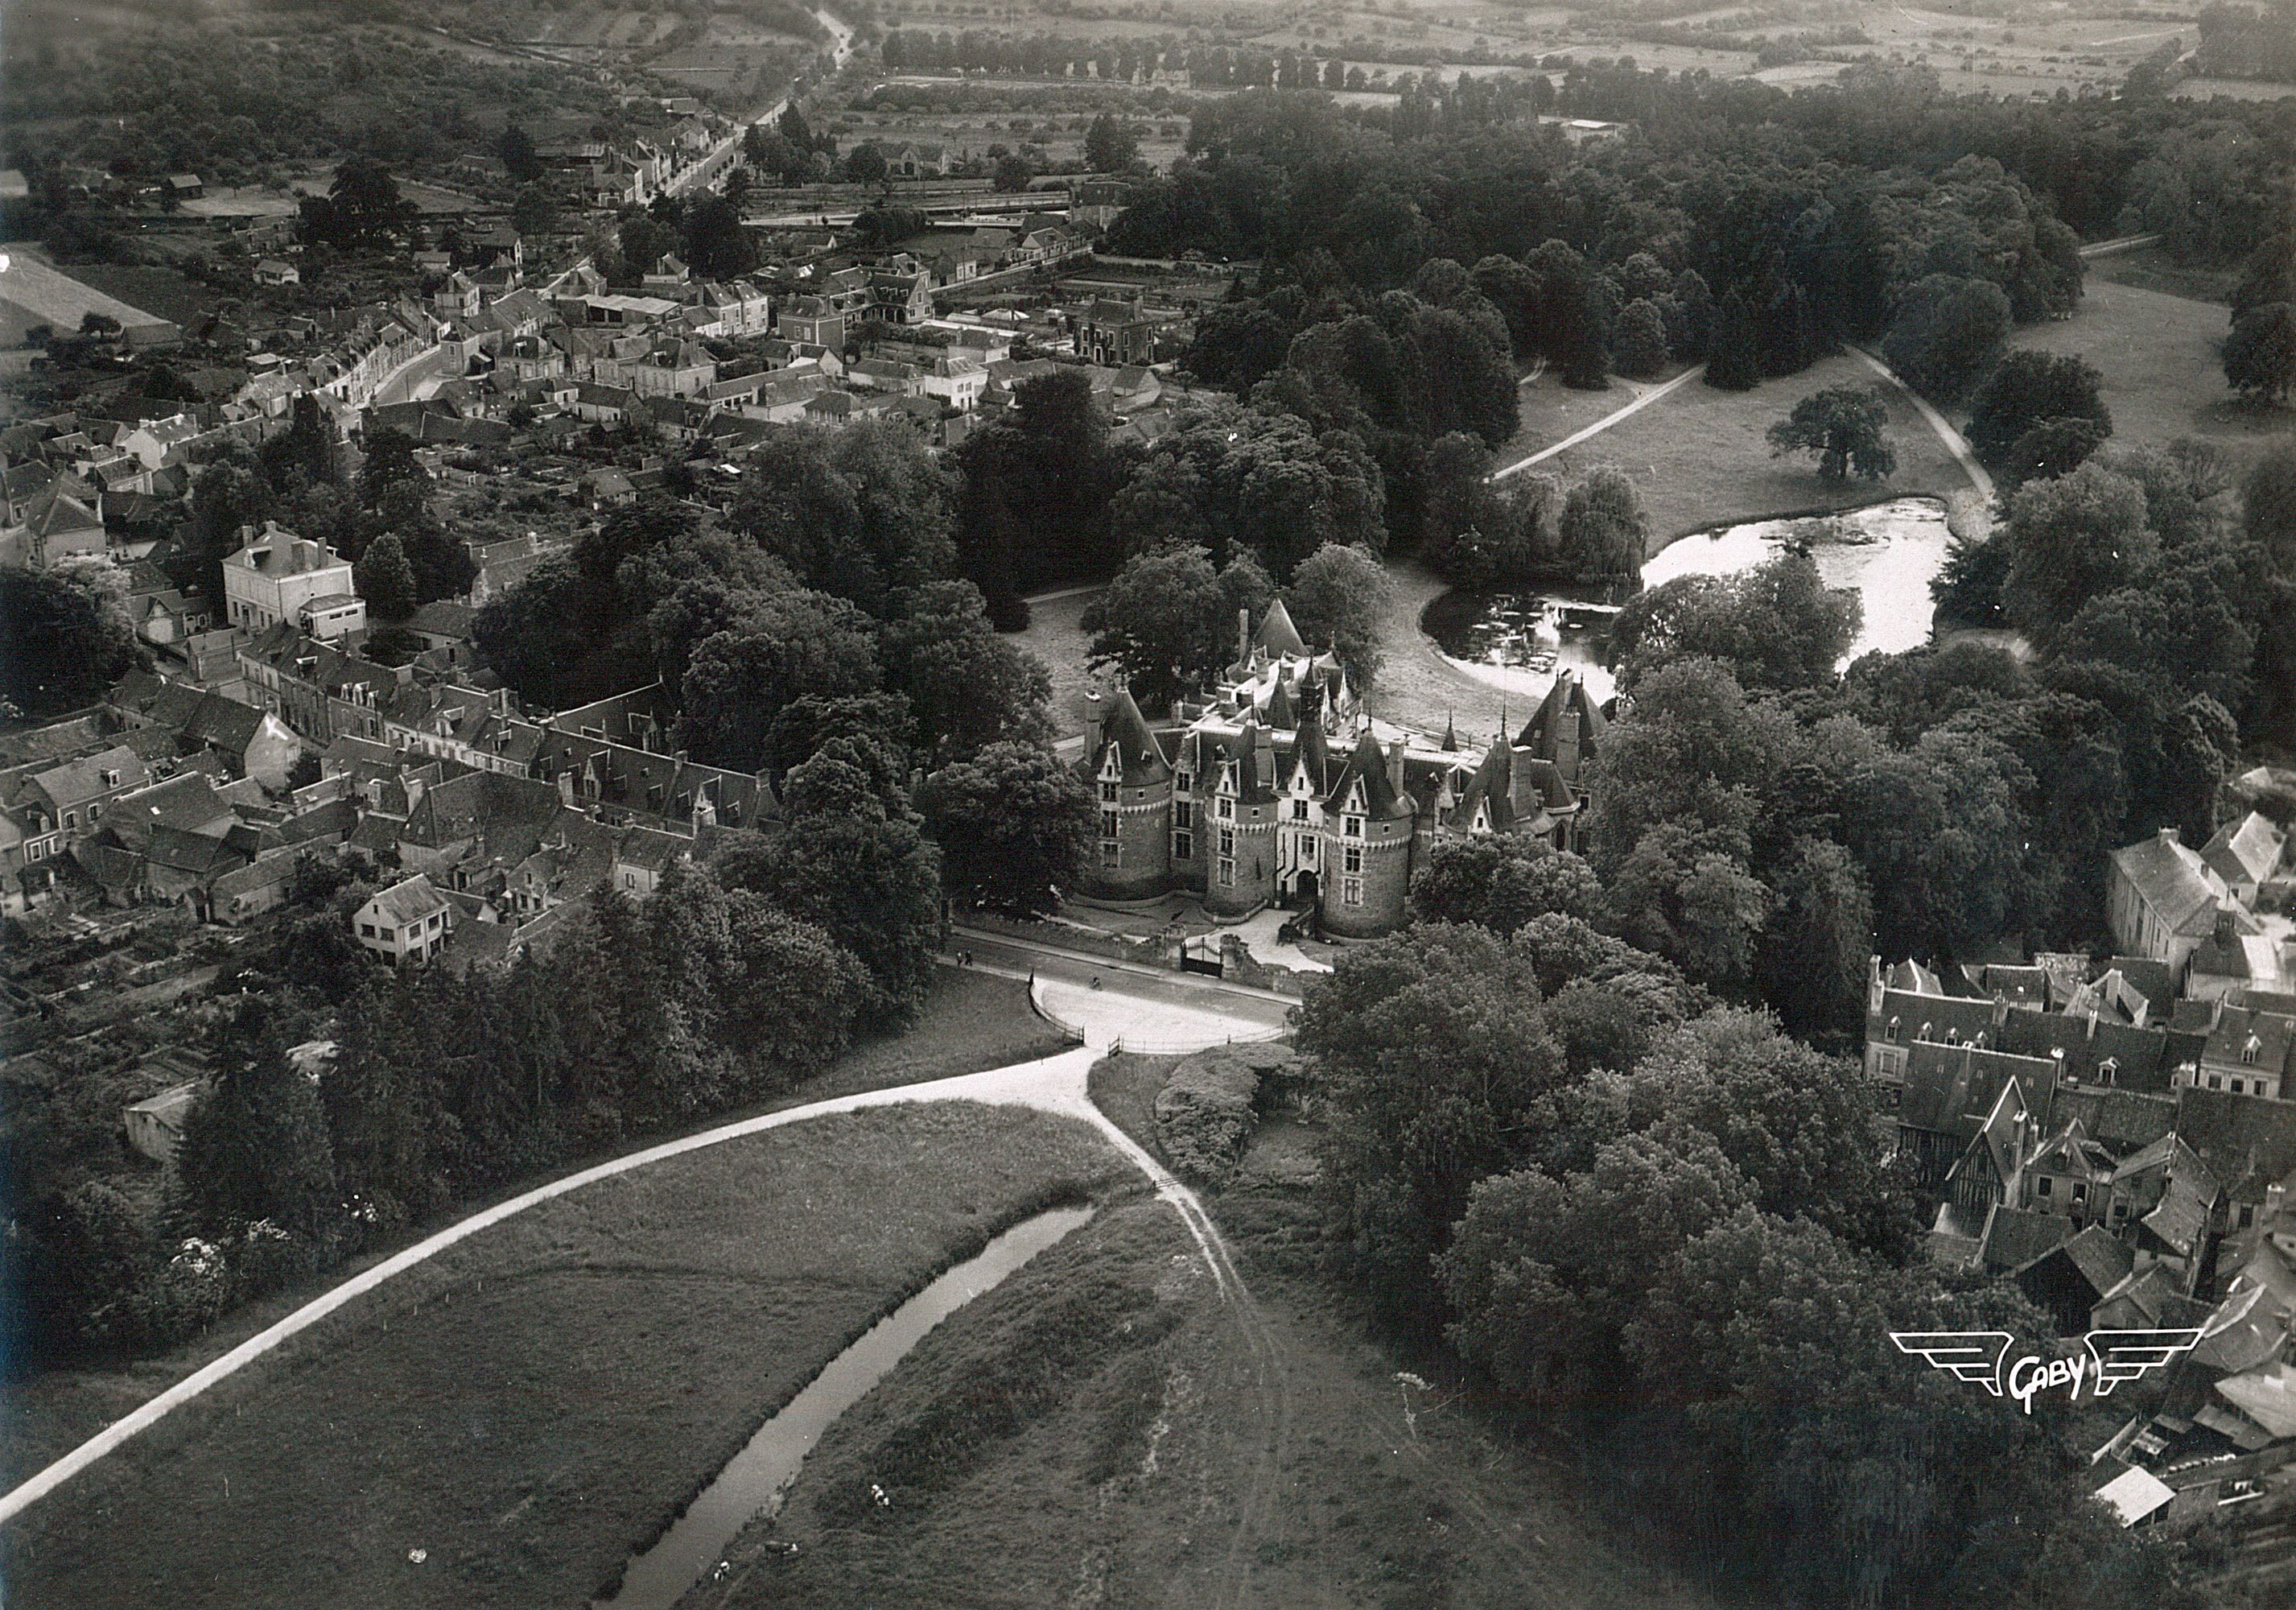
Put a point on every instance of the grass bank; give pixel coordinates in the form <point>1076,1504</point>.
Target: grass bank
<point>2162,360</point>
<point>507,1425</point>
<point>1107,1464</point>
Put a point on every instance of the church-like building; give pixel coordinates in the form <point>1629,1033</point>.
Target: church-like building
<point>1278,789</point>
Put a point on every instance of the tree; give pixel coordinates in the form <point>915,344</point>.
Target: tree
<point>2051,448</point>
<point>388,456</point>
<point>1338,599</point>
<point>1602,531</point>
<point>715,245</point>
<point>1947,335</point>
<point>2071,539</point>
<point>1844,426</point>
<point>1014,824</point>
<point>1820,935</point>
<point>1545,1274</point>
<point>1502,881</point>
<point>1638,346</point>
<point>516,149</point>
<point>2259,358</point>
<point>1685,891</point>
<point>385,579</point>
<point>366,206</point>
<point>1013,174</point>
<point>65,638</point>
<point>2027,389</point>
<point>865,875</point>
<point>967,687</point>
<point>255,1146</point>
<point>1735,362</point>
<point>1967,587</point>
<point>2267,500</point>
<point>1109,146</point>
<point>793,643</point>
<point>1436,1067</point>
<point>861,511</point>
<point>865,164</point>
<point>1168,621</point>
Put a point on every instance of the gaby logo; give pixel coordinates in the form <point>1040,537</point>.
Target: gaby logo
<point>1981,1357</point>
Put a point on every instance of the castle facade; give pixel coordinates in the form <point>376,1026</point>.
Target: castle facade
<point>1278,789</point>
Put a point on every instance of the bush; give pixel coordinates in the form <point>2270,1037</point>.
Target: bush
<point>1203,1113</point>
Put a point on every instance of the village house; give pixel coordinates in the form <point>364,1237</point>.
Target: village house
<point>277,578</point>
<point>405,924</point>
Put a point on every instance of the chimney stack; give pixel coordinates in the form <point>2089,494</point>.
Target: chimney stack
<point>1244,636</point>
<point>2224,929</point>
<point>2170,836</point>
<point>1394,766</point>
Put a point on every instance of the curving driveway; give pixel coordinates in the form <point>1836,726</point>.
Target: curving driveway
<point>1054,1084</point>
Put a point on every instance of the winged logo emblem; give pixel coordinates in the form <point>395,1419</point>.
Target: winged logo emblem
<point>1969,1355</point>
<point>1981,1357</point>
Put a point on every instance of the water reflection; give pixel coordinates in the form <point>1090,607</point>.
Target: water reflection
<point>1886,552</point>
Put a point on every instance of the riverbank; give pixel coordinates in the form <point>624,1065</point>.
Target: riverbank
<point>507,1425</point>
<point>1098,1425</point>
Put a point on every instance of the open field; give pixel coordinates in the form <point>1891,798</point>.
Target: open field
<point>2163,370</point>
<point>1055,636</point>
<point>972,1022</point>
<point>1107,1463</point>
<point>1699,459</point>
<point>2149,269</point>
<point>534,1404</point>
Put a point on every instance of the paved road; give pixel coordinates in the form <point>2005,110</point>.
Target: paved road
<point>1210,1008</point>
<point>1136,1007</point>
<point>1599,426</point>
<point>721,154</point>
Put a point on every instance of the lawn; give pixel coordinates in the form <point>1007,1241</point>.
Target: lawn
<point>1550,411</point>
<point>2163,368</point>
<point>536,1403</point>
<point>1699,457</point>
<point>1107,1464</point>
<point>971,1022</point>
<point>2149,269</point>
<point>1055,636</point>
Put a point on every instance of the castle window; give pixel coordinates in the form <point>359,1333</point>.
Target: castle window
<point>1227,873</point>
<point>1298,811</point>
<point>1111,853</point>
<point>1353,827</point>
<point>1351,891</point>
<point>1307,846</point>
<point>1227,810</point>
<point>1183,813</point>
<point>1227,840</point>
<point>1186,782</point>
<point>1108,792</point>
<point>2041,1186</point>
<point>1107,824</point>
<point>1184,846</point>
<point>1355,858</point>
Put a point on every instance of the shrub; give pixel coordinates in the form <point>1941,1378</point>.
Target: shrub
<point>1203,1113</point>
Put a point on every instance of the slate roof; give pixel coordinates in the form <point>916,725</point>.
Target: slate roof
<point>2014,1237</point>
<point>2248,852</point>
<point>1138,751</point>
<point>409,901</point>
<point>2172,879</point>
<point>1276,634</point>
<point>2247,1142</point>
<point>1368,766</point>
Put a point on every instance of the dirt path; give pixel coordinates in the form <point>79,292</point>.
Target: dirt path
<point>1599,426</point>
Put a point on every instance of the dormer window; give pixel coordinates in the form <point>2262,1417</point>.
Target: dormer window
<point>2249,1049</point>
<point>1925,1031</point>
<point>1890,1033</point>
<point>1952,1036</point>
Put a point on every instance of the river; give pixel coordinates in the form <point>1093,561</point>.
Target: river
<point>754,1481</point>
<point>1886,553</point>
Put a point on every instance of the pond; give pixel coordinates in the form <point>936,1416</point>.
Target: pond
<point>1886,553</point>
<point>754,1481</point>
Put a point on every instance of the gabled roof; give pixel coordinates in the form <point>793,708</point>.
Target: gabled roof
<point>1550,723</point>
<point>2247,852</point>
<point>2171,881</point>
<point>408,901</point>
<point>2247,1142</point>
<point>2014,1237</point>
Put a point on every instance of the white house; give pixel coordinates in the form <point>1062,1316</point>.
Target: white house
<point>278,575</point>
<point>406,923</point>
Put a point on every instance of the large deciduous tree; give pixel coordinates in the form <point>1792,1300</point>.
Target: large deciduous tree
<point>1338,599</point>
<point>1014,824</point>
<point>1167,622</point>
<point>1845,426</point>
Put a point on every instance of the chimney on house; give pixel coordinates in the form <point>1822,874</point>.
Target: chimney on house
<point>2224,928</point>
<point>1263,754</point>
<point>2170,836</point>
<point>1095,718</point>
<point>1394,766</point>
<point>2276,1197</point>
<point>1244,636</point>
